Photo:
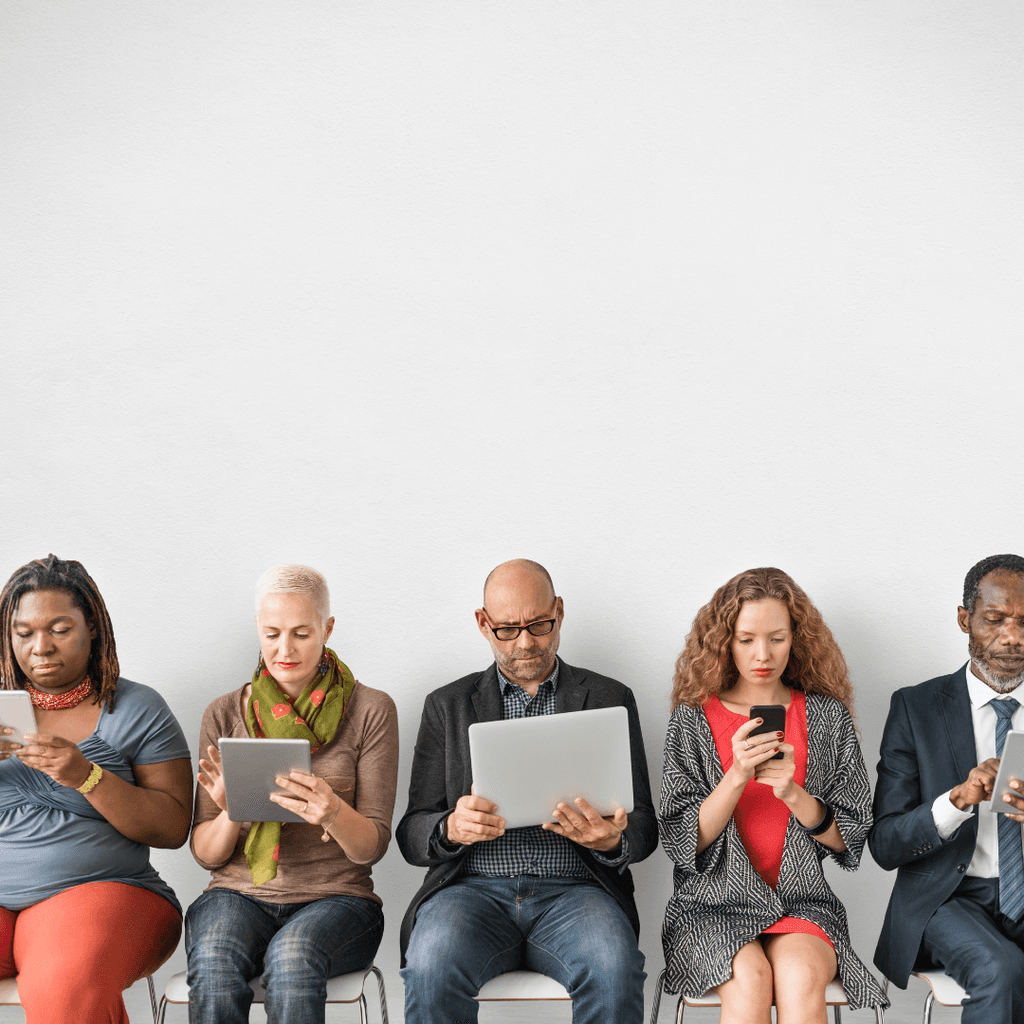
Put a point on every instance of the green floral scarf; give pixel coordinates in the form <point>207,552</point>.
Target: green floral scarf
<point>314,715</point>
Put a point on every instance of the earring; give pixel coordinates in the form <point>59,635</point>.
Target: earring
<point>261,668</point>
<point>325,662</point>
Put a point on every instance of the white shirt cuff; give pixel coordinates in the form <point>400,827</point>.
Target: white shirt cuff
<point>946,816</point>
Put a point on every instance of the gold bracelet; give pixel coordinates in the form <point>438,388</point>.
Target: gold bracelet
<point>326,838</point>
<point>94,777</point>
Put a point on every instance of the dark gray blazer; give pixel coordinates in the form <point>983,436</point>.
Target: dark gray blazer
<point>441,773</point>
<point>927,749</point>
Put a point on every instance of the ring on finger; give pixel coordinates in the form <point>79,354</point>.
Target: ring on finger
<point>746,746</point>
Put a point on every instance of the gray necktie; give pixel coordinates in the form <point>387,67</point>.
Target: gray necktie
<point>1011,863</point>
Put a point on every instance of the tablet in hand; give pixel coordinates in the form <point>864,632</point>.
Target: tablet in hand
<point>251,768</point>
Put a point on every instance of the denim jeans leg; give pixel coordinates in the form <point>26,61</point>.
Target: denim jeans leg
<point>225,936</point>
<point>464,935</point>
<point>321,939</point>
<point>579,935</point>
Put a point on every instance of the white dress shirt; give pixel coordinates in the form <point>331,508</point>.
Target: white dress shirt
<point>985,862</point>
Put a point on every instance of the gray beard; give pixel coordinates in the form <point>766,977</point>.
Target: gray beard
<point>993,681</point>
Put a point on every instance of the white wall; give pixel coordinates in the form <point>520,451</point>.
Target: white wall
<point>650,292</point>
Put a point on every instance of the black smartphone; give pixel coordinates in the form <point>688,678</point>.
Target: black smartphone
<point>774,716</point>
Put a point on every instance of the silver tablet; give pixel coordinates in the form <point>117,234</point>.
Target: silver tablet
<point>528,765</point>
<point>250,771</point>
<point>16,712</point>
<point>1010,764</point>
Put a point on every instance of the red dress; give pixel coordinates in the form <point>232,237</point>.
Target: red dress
<point>761,818</point>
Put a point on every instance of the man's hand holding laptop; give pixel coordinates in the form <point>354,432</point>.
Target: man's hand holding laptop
<point>587,827</point>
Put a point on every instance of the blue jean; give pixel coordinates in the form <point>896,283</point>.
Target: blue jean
<point>231,938</point>
<point>482,926</point>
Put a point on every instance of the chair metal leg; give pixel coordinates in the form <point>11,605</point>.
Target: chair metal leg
<point>383,997</point>
<point>657,997</point>
<point>363,1011</point>
<point>162,1011</point>
<point>837,1015</point>
<point>152,997</point>
<point>926,1019</point>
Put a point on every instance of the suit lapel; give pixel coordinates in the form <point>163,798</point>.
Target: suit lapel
<point>487,696</point>
<point>572,689</point>
<point>955,708</point>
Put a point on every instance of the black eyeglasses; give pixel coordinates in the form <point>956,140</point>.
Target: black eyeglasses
<point>541,628</point>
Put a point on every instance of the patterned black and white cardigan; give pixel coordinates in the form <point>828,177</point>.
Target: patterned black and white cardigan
<point>719,902</point>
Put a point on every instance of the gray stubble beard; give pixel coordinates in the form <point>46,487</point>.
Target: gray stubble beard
<point>994,681</point>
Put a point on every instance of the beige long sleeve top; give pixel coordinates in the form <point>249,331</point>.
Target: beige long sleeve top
<point>360,764</point>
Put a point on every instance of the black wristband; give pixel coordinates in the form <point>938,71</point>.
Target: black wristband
<point>824,825</point>
<point>441,835</point>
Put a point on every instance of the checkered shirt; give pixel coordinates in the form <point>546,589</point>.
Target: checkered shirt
<point>531,850</point>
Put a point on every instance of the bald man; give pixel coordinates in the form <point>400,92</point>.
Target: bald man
<point>556,898</point>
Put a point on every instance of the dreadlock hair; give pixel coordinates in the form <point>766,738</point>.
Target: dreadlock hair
<point>53,573</point>
<point>816,665</point>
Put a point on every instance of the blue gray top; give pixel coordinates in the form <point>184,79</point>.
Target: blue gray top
<point>52,838</point>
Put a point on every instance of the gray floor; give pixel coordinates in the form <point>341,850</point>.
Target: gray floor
<point>906,1009</point>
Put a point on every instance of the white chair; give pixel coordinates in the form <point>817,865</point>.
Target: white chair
<point>9,993</point>
<point>942,989</point>
<point>346,988</point>
<point>834,997</point>
<point>516,985</point>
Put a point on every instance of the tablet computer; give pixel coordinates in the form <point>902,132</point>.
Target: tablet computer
<point>528,765</point>
<point>251,767</point>
<point>16,712</point>
<point>1010,764</point>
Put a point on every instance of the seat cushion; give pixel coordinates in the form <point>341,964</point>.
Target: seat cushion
<point>9,992</point>
<point>834,996</point>
<point>947,991</point>
<point>346,988</point>
<point>522,985</point>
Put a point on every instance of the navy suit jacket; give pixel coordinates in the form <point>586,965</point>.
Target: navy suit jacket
<point>927,749</point>
<point>441,773</point>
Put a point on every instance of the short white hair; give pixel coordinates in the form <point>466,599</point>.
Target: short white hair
<point>295,579</point>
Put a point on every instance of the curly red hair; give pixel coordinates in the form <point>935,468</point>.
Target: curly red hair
<point>816,665</point>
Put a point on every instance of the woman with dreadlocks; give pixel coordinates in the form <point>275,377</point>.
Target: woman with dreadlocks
<point>105,777</point>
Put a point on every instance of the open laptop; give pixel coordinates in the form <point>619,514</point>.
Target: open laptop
<point>528,765</point>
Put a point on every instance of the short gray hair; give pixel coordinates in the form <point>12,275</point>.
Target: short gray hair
<point>295,579</point>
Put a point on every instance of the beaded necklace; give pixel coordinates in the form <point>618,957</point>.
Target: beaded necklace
<point>60,701</point>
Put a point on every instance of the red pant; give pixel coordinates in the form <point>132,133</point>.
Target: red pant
<point>77,951</point>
